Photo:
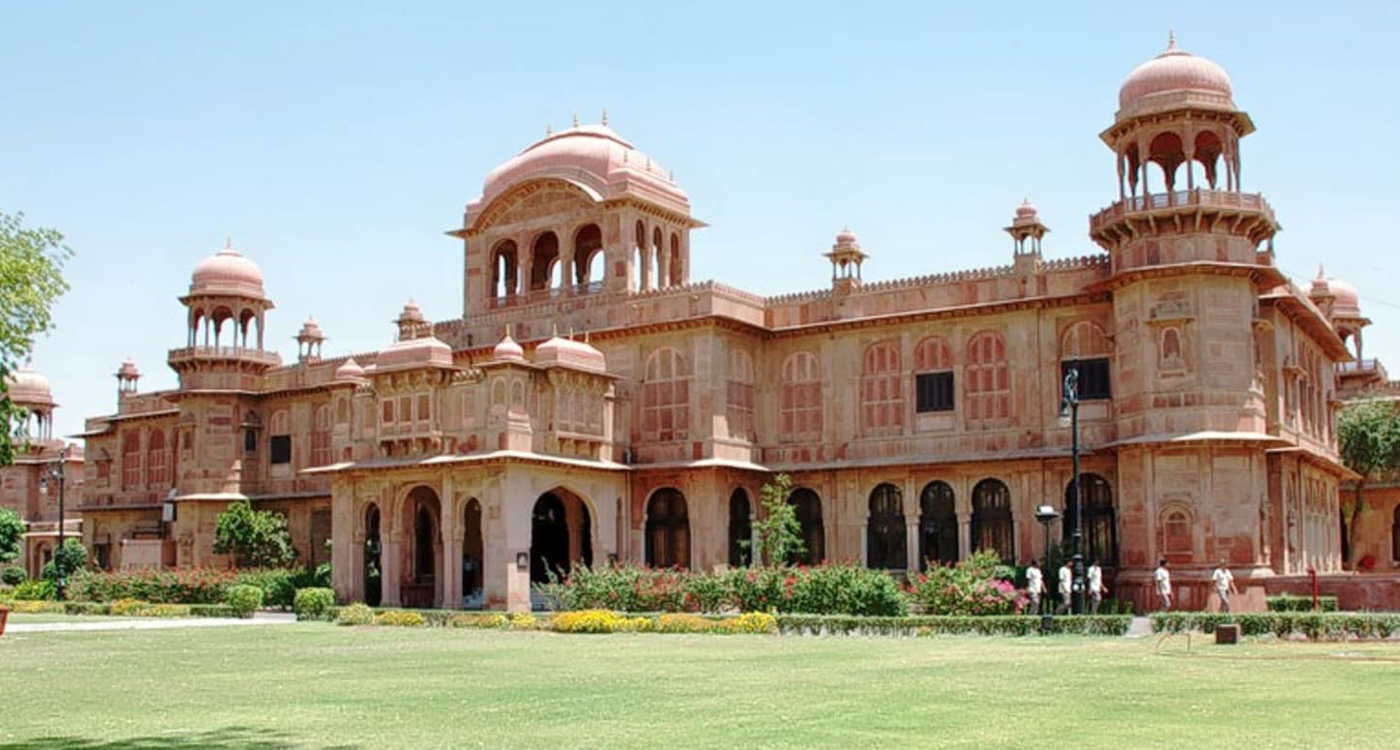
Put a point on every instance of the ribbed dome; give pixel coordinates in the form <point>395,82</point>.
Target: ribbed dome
<point>28,388</point>
<point>592,157</point>
<point>350,370</point>
<point>227,272</point>
<point>507,349</point>
<point>1172,72</point>
<point>1345,302</point>
<point>421,352</point>
<point>568,353</point>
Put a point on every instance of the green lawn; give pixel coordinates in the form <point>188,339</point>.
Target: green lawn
<point>322,686</point>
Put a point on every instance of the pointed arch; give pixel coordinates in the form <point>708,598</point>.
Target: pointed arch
<point>667,529</point>
<point>886,547</point>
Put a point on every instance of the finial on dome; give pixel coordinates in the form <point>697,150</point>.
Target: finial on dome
<point>575,119</point>
<point>508,327</point>
<point>1319,271</point>
<point>548,130</point>
<point>554,329</point>
<point>605,116</point>
<point>1171,40</point>
<point>228,242</point>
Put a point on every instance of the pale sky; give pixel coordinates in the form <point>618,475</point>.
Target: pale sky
<point>335,142</point>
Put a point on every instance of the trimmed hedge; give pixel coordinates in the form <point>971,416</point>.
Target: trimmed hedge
<point>1313,625</point>
<point>194,585</point>
<point>1014,625</point>
<point>245,599</point>
<point>122,608</point>
<point>1291,603</point>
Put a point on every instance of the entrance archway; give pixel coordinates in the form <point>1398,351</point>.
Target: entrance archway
<point>668,530</point>
<point>561,534</point>
<point>420,585</point>
<point>374,564</point>
<point>473,557</point>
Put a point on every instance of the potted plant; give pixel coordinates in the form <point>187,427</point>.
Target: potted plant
<point>4,615</point>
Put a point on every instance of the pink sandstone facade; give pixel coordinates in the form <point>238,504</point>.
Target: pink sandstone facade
<point>37,452</point>
<point>593,402</point>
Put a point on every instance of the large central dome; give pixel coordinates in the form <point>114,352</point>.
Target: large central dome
<point>592,157</point>
<point>1172,76</point>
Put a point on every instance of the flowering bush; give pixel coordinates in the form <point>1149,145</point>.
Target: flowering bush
<point>313,603</point>
<point>399,618</point>
<point>195,585</point>
<point>684,623</point>
<point>524,621</point>
<point>969,588</point>
<point>754,623</point>
<point>478,621</point>
<point>358,613</point>
<point>598,621</point>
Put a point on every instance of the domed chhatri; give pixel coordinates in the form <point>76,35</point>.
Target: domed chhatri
<point>1343,296</point>
<point>310,330</point>
<point>1172,75</point>
<point>594,158</point>
<point>1026,210</point>
<point>846,237</point>
<point>227,272</point>
<point>30,389</point>
<point>508,350</point>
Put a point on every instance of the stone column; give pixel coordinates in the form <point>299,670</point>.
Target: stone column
<point>449,587</point>
<point>964,536</point>
<point>911,541</point>
<point>392,566</point>
<point>663,264</point>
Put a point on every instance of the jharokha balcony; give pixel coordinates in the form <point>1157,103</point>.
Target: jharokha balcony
<point>1249,213</point>
<point>246,354</point>
<point>1203,198</point>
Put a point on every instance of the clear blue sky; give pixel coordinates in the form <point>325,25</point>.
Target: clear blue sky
<point>336,142</point>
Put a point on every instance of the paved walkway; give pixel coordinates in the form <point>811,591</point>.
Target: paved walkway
<point>1141,626</point>
<point>139,623</point>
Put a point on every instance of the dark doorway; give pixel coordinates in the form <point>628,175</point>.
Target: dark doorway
<point>549,539</point>
<point>472,554</point>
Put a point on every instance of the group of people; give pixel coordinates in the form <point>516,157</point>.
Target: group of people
<point>1095,589</point>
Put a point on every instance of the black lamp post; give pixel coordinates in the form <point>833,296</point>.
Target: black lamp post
<point>1069,407</point>
<point>54,473</point>
<point>1046,515</point>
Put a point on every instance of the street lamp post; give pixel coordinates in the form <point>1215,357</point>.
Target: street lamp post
<point>54,473</point>
<point>1069,407</point>
<point>1046,515</point>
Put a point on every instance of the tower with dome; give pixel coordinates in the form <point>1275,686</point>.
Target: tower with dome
<point>593,402</point>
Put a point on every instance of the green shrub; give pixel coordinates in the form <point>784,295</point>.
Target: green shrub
<point>484,620</point>
<point>35,606</point>
<point>357,613</point>
<point>683,623</point>
<point>975,586</point>
<point>12,575</point>
<point>1015,625</point>
<point>74,557</point>
<point>313,604</point>
<point>245,599</point>
<point>257,538</point>
<point>33,590</point>
<point>1291,603</point>
<point>524,621</point>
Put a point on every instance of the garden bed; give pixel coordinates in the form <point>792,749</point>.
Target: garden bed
<point>1311,625</point>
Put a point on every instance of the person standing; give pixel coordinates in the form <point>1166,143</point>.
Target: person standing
<point>1096,587</point>
<point>1224,585</point>
<point>1066,588</point>
<point>1035,584</point>
<point>1164,584</point>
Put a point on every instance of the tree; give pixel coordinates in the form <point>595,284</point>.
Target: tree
<point>31,280</point>
<point>1369,436</point>
<point>11,534</point>
<point>256,538</point>
<point>778,533</point>
<point>74,557</point>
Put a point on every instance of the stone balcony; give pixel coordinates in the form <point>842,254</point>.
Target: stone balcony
<point>1167,202</point>
<point>193,354</point>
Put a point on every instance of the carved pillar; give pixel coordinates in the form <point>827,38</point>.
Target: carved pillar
<point>393,566</point>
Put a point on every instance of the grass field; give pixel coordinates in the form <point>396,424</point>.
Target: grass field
<point>321,686</point>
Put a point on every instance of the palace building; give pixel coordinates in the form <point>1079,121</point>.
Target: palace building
<point>29,486</point>
<point>592,402</point>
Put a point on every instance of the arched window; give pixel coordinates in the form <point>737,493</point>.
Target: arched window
<point>1176,543</point>
<point>933,375</point>
<point>885,537</point>
<point>1084,347</point>
<point>938,525</point>
<point>739,402</point>
<point>668,530</point>
<point>881,390</point>
<point>131,460</point>
<point>677,262</point>
<point>666,397</point>
<point>544,263</point>
<point>321,436</point>
<point>658,251</point>
<point>740,529</point>
<point>809,517</point>
<point>279,438</point>
<point>1171,350</point>
<point>1100,522</point>
<point>1395,535</point>
<point>156,475</point>
<point>504,267</point>
<point>991,519</point>
<point>373,567</point>
<point>588,247</point>
<point>473,552</point>
<point>801,397</point>
<point>988,380</point>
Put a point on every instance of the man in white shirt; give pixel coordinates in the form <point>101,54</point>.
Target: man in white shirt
<point>1066,588</point>
<point>1096,587</point>
<point>1035,585</point>
<point>1224,585</point>
<point>1164,584</point>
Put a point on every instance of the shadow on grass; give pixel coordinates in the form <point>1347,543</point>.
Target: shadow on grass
<point>230,737</point>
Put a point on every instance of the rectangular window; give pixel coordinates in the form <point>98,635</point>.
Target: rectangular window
<point>1093,377</point>
<point>280,449</point>
<point>933,391</point>
<point>388,410</point>
<point>250,441</point>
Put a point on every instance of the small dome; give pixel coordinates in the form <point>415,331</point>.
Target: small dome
<point>350,370</point>
<point>411,312</point>
<point>28,388</point>
<point>569,353</point>
<point>227,272</point>
<point>1174,71</point>
<point>128,370</point>
<point>507,349</point>
<point>1026,210</point>
<point>846,237</point>
<point>421,352</point>
<point>1345,302</point>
